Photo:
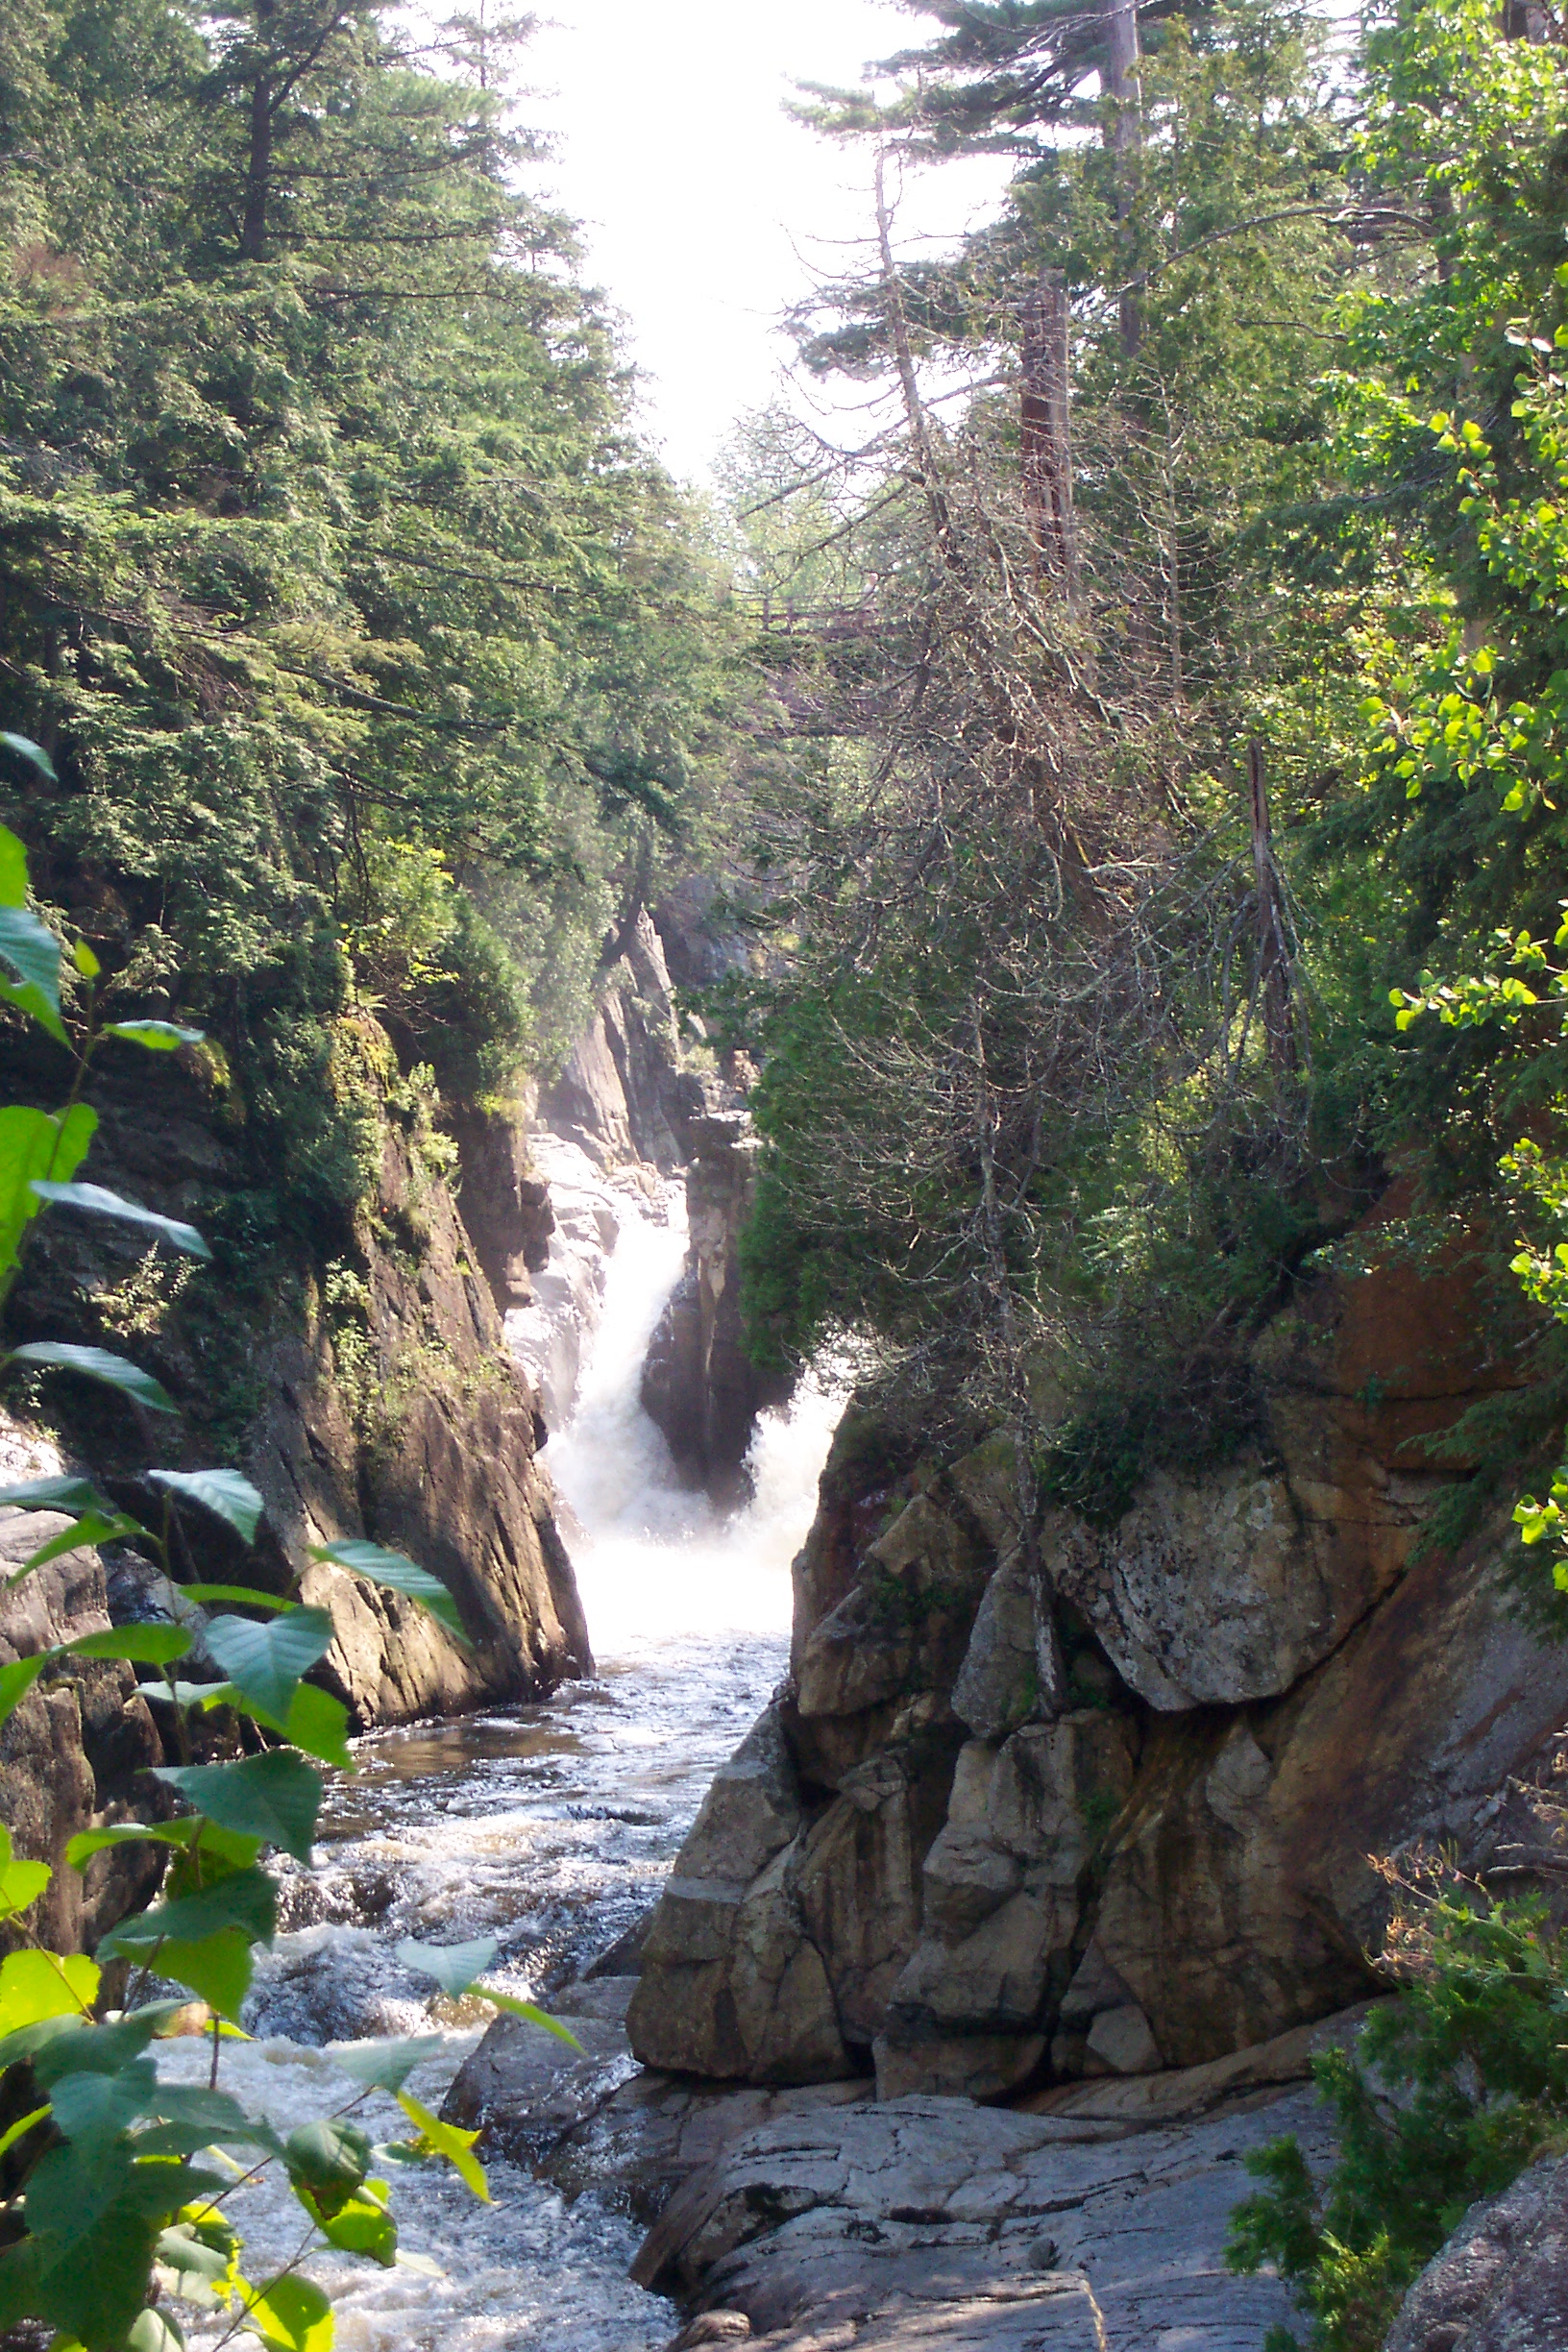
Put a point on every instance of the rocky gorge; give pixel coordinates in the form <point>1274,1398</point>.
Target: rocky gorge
<point>1013,1926</point>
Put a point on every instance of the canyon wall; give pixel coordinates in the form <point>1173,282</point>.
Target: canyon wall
<point>364,1386</point>
<point>1043,1802</point>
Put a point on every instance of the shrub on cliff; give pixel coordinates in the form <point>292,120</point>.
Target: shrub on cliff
<point>1449,2095</point>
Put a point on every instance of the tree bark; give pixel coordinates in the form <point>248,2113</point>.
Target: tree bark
<point>1045,434</point>
<point>1124,90</point>
<point>1273,945</point>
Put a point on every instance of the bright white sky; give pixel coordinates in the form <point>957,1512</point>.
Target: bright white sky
<point>705,210</point>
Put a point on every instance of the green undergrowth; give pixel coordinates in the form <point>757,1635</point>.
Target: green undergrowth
<point>1450,2092</point>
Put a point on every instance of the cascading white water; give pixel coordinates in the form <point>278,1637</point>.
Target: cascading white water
<point>658,1565</point>
<point>546,1827</point>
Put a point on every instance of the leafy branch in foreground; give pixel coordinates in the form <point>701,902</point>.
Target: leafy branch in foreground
<point>112,2202</point>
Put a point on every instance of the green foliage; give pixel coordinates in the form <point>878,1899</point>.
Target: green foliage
<point>115,2212</point>
<point>367,648</point>
<point>1451,2093</point>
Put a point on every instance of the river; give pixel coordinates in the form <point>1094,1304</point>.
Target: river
<point>548,1827</point>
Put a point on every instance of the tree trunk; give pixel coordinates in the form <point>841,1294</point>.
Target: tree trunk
<point>1124,90</point>
<point>1045,434</point>
<point>1273,946</point>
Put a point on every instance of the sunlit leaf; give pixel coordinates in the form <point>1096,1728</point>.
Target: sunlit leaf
<point>97,1363</point>
<point>292,2316</point>
<point>226,1493</point>
<point>276,1797</point>
<point>148,1645</point>
<point>266,1662</point>
<point>36,1143</point>
<point>18,1679</point>
<point>159,1035</point>
<point>82,1534</point>
<point>97,1202</point>
<point>397,1572</point>
<point>440,2138</point>
<point>34,1985</point>
<point>453,1966</point>
<point>528,2011</point>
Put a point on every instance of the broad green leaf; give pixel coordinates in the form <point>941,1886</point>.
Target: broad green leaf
<point>97,1202</point>
<point>155,2330</point>
<point>73,1494</point>
<point>159,1035</point>
<point>290,2316</point>
<point>86,962</point>
<point>386,2066</point>
<point>88,1841</point>
<point>316,1722</point>
<point>453,1966</point>
<point>13,854</point>
<point>243,1595</point>
<point>34,1985</point>
<point>398,1573</point>
<point>275,1797</point>
<point>528,2011</point>
<point>82,1534</point>
<point>32,953</point>
<point>439,2138</point>
<point>360,2224</point>
<point>149,1645</point>
<point>102,2106</point>
<point>97,1363</point>
<point>21,1883</point>
<point>95,2215</point>
<point>103,2049</point>
<point>18,1679</point>
<point>329,2158</point>
<point>21,2128</point>
<point>203,2253</point>
<point>246,1899</point>
<point>225,1493</point>
<point>217,1969</point>
<point>34,1145</point>
<point>266,1662</point>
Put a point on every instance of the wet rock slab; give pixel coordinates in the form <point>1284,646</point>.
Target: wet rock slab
<point>921,2221</point>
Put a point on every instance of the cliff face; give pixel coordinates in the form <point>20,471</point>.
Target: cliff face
<point>1104,1802</point>
<point>366,1387</point>
<point>699,1384</point>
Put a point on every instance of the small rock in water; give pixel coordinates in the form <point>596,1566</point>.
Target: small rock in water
<point>712,2328</point>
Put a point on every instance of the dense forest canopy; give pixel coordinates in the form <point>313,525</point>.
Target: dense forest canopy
<point>1192,689</point>
<point>373,652</point>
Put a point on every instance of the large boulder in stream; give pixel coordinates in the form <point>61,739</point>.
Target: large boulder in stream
<point>1083,1801</point>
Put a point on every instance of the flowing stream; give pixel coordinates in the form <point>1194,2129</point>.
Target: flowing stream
<point>548,1827</point>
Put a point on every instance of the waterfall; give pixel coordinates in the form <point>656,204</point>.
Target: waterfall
<point>658,1565</point>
